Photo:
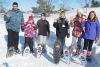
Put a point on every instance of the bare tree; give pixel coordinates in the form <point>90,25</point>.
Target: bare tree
<point>65,5</point>
<point>2,3</point>
<point>1,6</point>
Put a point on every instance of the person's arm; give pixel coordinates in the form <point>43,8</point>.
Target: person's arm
<point>55,24</point>
<point>35,26</point>
<point>97,31</point>
<point>68,28</point>
<point>67,25</point>
<point>23,26</point>
<point>48,29</point>
<point>7,16</point>
<point>22,18</point>
<point>22,23</point>
<point>83,25</point>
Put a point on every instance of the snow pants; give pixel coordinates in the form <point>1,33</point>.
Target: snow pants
<point>13,39</point>
<point>88,44</point>
<point>29,42</point>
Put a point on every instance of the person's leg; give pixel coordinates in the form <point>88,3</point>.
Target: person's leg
<point>78,46</point>
<point>39,46</point>
<point>90,47</point>
<point>63,43</point>
<point>31,44</point>
<point>10,39</point>
<point>79,43</point>
<point>26,42</point>
<point>73,46</point>
<point>40,40</point>
<point>86,43</point>
<point>15,40</point>
<point>44,43</point>
<point>74,42</point>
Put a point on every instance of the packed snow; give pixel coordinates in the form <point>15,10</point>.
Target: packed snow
<point>45,60</point>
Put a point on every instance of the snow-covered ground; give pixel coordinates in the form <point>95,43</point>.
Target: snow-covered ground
<point>46,60</point>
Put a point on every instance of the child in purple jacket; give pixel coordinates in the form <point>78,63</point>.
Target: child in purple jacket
<point>91,33</point>
<point>29,32</point>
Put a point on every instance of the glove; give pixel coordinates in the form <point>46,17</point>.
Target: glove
<point>22,29</point>
<point>68,35</point>
<point>96,40</point>
<point>48,35</point>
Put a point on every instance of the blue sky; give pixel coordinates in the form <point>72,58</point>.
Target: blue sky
<point>26,5</point>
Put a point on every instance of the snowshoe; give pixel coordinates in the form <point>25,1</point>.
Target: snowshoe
<point>78,50</point>
<point>32,51</point>
<point>57,52</point>
<point>67,56</point>
<point>17,51</point>
<point>26,51</point>
<point>10,52</point>
<point>39,51</point>
<point>83,60</point>
<point>88,58</point>
<point>44,50</point>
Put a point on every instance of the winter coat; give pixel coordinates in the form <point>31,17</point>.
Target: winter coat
<point>92,29</point>
<point>29,29</point>
<point>15,20</point>
<point>62,27</point>
<point>77,29</point>
<point>43,27</point>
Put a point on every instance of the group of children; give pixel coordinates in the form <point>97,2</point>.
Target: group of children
<point>86,28</point>
<point>30,29</point>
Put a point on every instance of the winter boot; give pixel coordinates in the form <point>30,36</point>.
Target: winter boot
<point>17,51</point>
<point>43,49</point>
<point>32,51</point>
<point>88,56</point>
<point>85,53</point>
<point>10,52</point>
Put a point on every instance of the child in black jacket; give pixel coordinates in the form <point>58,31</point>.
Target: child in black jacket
<point>62,29</point>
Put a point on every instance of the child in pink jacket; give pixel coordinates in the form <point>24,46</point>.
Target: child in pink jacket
<point>29,32</point>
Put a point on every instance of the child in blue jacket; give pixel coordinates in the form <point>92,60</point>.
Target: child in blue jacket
<point>91,33</point>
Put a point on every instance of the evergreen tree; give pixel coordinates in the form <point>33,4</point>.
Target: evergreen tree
<point>43,6</point>
<point>95,3</point>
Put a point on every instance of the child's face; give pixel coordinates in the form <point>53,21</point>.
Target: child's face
<point>43,17</point>
<point>31,21</point>
<point>92,15</point>
<point>62,15</point>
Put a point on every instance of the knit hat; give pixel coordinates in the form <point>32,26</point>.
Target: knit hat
<point>43,14</point>
<point>30,18</point>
